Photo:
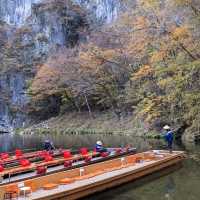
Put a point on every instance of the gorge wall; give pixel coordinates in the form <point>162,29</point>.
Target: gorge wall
<point>30,31</point>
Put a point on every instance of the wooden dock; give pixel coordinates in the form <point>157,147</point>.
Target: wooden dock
<point>100,176</point>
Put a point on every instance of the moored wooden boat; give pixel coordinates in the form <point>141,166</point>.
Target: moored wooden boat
<point>80,182</point>
<point>13,160</point>
<point>34,157</point>
<point>13,157</point>
<point>56,165</point>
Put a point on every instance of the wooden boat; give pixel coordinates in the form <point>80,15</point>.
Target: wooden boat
<point>13,158</point>
<point>33,156</point>
<point>80,182</point>
<point>22,173</point>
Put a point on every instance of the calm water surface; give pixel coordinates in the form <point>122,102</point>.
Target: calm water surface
<point>181,184</point>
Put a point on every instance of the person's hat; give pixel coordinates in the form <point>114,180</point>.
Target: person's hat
<point>99,143</point>
<point>166,127</point>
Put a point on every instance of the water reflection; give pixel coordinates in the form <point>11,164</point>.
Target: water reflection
<point>169,188</point>
<point>181,184</point>
<point>11,142</point>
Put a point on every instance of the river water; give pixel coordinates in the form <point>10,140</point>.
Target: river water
<point>179,184</point>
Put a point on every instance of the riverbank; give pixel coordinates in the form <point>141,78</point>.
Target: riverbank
<point>82,123</point>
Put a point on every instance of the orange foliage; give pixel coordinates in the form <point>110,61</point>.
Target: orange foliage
<point>45,81</point>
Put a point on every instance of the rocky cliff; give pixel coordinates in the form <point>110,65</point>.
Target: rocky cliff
<point>16,12</point>
<point>30,31</point>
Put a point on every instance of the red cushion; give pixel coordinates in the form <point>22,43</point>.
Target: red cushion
<point>68,163</point>
<point>4,156</point>
<point>1,168</point>
<point>88,159</point>
<point>94,150</point>
<point>67,154</point>
<point>25,162</point>
<point>84,151</point>
<point>41,170</point>
<point>118,150</point>
<point>104,154</point>
<point>43,154</point>
<point>18,152</point>
<point>48,158</point>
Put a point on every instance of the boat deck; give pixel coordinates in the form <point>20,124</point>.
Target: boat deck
<point>82,183</point>
<point>50,169</point>
<point>28,174</point>
<point>107,179</point>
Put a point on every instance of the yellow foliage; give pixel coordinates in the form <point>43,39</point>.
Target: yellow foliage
<point>89,60</point>
<point>144,71</point>
<point>151,109</point>
<point>45,81</point>
<point>158,56</point>
<point>183,2</point>
<point>180,33</point>
<point>151,4</point>
<point>163,83</point>
<point>141,22</point>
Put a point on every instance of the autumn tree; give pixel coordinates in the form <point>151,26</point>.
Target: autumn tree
<point>146,63</point>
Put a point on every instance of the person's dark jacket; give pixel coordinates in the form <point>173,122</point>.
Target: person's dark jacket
<point>169,136</point>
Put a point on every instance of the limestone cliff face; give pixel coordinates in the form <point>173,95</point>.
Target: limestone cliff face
<point>30,31</point>
<point>105,11</point>
<point>16,12</point>
<point>12,101</point>
<point>49,26</point>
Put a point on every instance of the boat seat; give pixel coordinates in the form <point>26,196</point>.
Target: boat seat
<point>1,168</point>
<point>10,195</point>
<point>66,181</point>
<point>4,156</point>
<point>41,170</point>
<point>84,151</point>
<point>67,154</point>
<point>48,158</point>
<point>50,186</point>
<point>12,188</point>
<point>68,163</point>
<point>32,185</point>
<point>24,190</point>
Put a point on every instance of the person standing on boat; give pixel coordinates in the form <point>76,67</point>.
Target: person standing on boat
<point>48,145</point>
<point>169,137</point>
<point>99,147</point>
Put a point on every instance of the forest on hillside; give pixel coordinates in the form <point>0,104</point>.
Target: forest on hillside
<point>146,63</point>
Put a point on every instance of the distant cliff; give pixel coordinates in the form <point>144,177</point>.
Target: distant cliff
<point>30,31</point>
